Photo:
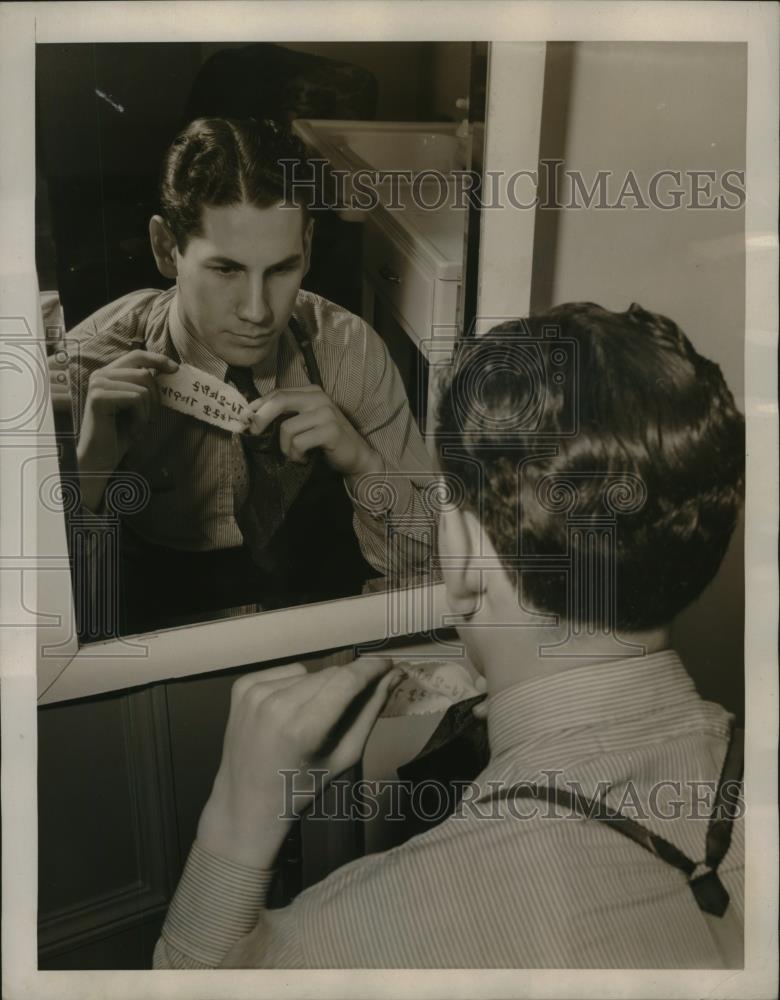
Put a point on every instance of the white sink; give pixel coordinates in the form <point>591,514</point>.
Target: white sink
<point>350,146</point>
<point>411,146</point>
<point>399,150</point>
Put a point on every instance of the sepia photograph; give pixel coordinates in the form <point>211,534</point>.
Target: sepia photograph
<point>390,496</point>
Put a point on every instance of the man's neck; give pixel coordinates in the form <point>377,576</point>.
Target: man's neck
<point>517,654</point>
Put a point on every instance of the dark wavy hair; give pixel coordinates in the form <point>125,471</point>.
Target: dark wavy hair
<point>223,161</point>
<point>557,425</point>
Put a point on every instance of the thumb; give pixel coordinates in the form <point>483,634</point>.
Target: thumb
<point>480,710</point>
<point>354,741</point>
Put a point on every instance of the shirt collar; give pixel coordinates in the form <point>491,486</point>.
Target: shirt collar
<point>587,696</point>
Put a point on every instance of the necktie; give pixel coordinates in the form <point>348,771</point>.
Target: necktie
<point>243,381</point>
<point>256,493</point>
<point>265,483</point>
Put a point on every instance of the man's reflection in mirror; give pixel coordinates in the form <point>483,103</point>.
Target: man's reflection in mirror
<point>267,517</point>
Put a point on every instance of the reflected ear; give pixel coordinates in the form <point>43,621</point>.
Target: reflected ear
<point>308,235</point>
<point>163,247</point>
<point>460,543</point>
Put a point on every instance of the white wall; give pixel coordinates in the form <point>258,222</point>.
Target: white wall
<point>648,107</point>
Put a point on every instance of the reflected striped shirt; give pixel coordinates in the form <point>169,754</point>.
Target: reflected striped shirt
<point>513,887</point>
<point>195,471</point>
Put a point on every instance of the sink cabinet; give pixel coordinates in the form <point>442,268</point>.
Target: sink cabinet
<point>412,255</point>
<point>413,310</point>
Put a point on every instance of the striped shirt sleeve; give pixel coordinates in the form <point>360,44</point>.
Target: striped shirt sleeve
<point>392,521</point>
<point>217,903</point>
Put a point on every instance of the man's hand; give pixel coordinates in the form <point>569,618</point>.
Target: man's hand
<point>314,421</point>
<point>480,710</point>
<point>121,400</point>
<point>285,719</point>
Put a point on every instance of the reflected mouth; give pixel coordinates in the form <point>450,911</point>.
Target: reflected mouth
<point>252,339</point>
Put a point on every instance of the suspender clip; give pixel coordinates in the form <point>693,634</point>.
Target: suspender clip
<point>710,893</point>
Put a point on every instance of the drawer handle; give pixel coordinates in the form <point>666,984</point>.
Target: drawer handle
<point>389,275</point>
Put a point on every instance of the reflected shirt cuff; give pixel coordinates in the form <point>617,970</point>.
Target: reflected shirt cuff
<point>372,493</point>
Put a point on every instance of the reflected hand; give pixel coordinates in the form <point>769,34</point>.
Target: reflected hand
<point>59,380</point>
<point>121,399</point>
<point>313,420</point>
<point>285,719</point>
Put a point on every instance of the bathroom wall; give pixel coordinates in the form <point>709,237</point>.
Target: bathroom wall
<point>648,107</point>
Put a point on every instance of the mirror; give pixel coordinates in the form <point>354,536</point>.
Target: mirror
<point>176,511</point>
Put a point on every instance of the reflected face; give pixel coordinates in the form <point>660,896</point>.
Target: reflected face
<point>237,280</point>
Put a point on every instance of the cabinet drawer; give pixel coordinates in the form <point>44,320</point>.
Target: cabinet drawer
<point>403,284</point>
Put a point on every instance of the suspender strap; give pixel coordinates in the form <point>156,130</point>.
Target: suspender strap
<point>593,809</point>
<point>309,360</point>
<point>719,830</point>
<point>707,888</point>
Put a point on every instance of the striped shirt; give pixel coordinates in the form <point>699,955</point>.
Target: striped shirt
<point>515,889</point>
<point>196,472</point>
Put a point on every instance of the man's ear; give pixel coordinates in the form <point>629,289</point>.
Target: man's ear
<point>461,542</point>
<point>163,247</point>
<point>308,236</point>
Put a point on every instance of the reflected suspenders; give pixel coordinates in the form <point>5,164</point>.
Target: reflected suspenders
<point>304,344</point>
<point>707,888</point>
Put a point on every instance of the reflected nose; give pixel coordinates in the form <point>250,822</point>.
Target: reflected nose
<point>254,306</point>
